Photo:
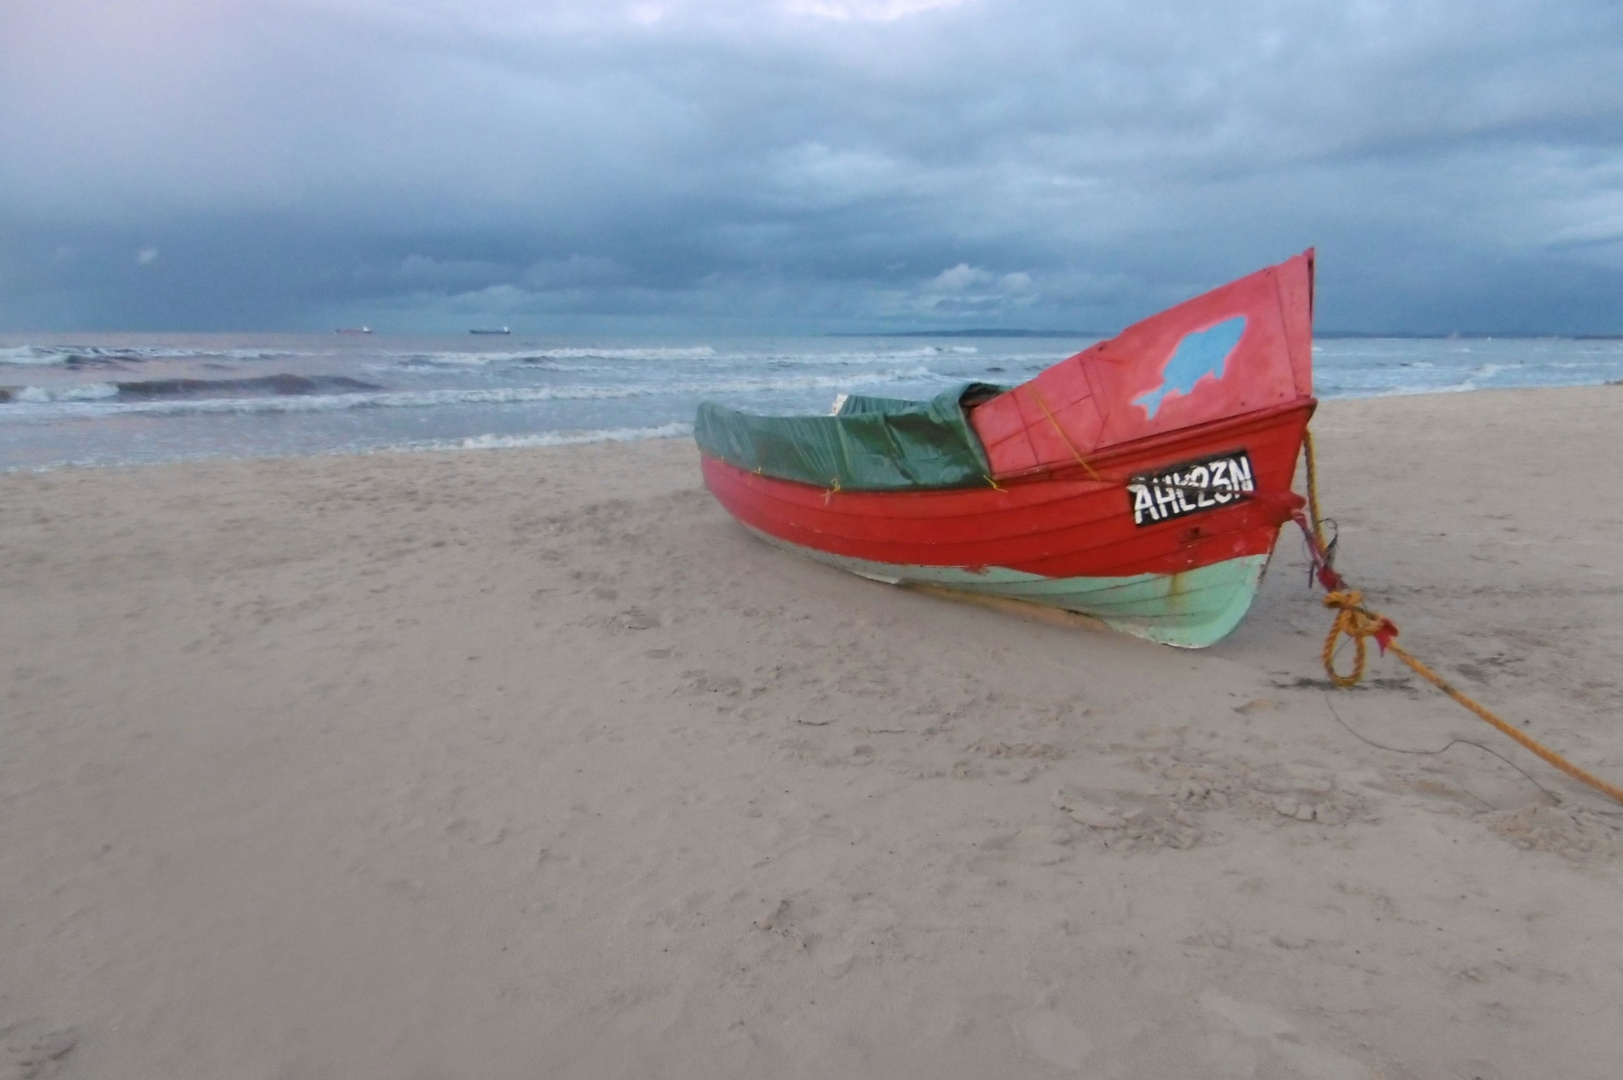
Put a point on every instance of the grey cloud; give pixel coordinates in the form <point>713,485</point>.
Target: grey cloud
<point>757,166</point>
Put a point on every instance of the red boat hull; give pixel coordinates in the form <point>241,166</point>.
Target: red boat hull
<point>1143,480</point>
<point>1067,526</point>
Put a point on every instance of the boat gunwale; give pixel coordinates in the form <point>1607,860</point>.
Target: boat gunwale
<point>1076,473</point>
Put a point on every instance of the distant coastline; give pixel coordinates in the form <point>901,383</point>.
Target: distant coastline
<point>1355,335</point>
<point>1351,335</point>
<point>987,332</point>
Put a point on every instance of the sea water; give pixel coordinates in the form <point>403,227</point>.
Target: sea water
<point>115,399</point>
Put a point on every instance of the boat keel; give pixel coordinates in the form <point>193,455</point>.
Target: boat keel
<point>1191,609</point>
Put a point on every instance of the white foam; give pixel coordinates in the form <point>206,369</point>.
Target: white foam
<point>542,356</point>
<point>865,356</point>
<point>56,355</point>
<point>33,356</point>
<point>316,403</point>
<point>696,352</point>
<point>566,359</point>
<point>805,382</point>
<point>75,392</point>
<point>550,438</point>
<point>48,408</point>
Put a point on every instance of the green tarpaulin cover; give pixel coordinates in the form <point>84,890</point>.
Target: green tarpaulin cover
<point>871,444</point>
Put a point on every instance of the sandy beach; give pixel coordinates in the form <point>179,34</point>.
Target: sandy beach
<point>532,763</point>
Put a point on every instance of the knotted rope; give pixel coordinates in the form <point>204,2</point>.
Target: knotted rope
<point>1359,624</point>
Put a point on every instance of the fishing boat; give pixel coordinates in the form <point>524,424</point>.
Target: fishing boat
<point>500,330</point>
<point>1142,481</point>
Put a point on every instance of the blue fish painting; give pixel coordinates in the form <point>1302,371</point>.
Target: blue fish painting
<point>1198,355</point>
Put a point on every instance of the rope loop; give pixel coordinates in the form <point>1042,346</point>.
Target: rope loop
<point>1358,624</point>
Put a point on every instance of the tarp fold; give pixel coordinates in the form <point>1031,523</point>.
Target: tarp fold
<point>871,444</point>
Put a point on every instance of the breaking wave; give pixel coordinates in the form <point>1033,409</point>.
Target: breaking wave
<point>547,358</point>
<point>157,389</point>
<point>110,356</point>
<point>175,397</point>
<point>32,356</point>
<point>549,438</point>
<point>72,392</point>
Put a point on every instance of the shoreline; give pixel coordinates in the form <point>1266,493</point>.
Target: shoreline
<point>536,763</point>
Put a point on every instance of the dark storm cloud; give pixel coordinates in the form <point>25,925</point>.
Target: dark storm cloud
<point>821,164</point>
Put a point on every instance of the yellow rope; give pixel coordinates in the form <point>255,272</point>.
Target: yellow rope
<point>1581,775</point>
<point>1359,624</point>
<point>1080,460</point>
<point>1313,488</point>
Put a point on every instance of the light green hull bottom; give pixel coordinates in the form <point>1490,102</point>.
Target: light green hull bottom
<point>1192,609</point>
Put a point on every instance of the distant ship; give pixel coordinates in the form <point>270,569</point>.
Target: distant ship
<point>503,330</point>
<point>353,330</point>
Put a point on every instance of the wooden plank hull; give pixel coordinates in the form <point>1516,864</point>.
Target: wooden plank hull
<point>1190,609</point>
<point>1142,482</point>
<point>1070,543</point>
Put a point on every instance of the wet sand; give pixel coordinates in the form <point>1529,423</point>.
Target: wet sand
<point>533,763</point>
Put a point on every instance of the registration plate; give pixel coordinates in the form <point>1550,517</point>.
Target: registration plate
<point>1191,487</point>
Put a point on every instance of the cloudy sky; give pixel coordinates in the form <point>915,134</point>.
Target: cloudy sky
<point>804,165</point>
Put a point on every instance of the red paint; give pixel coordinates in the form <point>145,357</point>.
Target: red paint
<point>1059,517</point>
<point>1090,394</point>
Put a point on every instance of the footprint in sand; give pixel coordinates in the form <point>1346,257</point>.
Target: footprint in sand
<point>1054,1039</point>
<point>1266,1027</point>
<point>37,1057</point>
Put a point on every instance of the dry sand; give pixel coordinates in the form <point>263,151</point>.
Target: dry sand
<point>533,764</point>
